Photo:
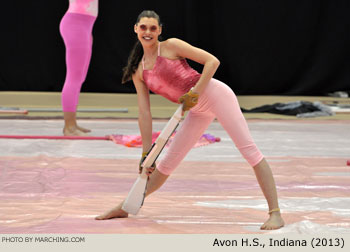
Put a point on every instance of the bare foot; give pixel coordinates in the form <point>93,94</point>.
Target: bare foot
<point>83,129</point>
<point>275,221</point>
<point>73,131</point>
<point>116,212</point>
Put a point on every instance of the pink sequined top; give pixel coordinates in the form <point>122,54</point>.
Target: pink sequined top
<point>170,78</point>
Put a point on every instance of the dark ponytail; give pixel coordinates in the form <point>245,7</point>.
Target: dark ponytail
<point>137,51</point>
<point>133,62</point>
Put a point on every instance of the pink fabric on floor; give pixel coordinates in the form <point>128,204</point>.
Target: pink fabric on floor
<point>136,140</point>
<point>51,195</point>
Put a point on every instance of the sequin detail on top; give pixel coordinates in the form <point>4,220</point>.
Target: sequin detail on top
<point>170,78</point>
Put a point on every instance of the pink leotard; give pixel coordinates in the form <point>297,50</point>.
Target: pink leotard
<point>76,30</point>
<point>87,7</point>
<point>170,78</point>
<point>173,78</point>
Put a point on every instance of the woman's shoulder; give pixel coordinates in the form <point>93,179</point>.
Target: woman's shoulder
<point>171,42</point>
<point>137,75</point>
<point>170,48</point>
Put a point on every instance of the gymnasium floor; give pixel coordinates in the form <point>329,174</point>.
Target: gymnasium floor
<point>59,186</point>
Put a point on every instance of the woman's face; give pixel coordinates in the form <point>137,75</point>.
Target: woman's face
<point>148,30</point>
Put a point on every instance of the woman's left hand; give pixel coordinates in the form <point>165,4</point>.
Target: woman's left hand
<point>189,100</point>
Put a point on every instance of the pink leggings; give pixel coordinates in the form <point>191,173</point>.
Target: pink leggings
<point>217,100</point>
<point>76,31</point>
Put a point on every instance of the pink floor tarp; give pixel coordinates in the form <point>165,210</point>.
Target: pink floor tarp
<point>59,186</point>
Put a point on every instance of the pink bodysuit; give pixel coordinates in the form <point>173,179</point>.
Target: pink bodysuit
<point>87,7</point>
<point>173,78</point>
<point>170,86</point>
<point>76,30</point>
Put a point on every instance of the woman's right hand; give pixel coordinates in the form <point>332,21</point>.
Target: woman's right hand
<point>149,170</point>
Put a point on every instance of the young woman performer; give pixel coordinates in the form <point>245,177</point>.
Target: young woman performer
<point>162,68</point>
<point>76,30</point>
